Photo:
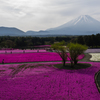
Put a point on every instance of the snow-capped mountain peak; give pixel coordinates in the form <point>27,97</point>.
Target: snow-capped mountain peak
<point>83,24</point>
<point>83,19</point>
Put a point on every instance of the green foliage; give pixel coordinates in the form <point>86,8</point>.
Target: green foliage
<point>61,50</point>
<point>89,40</point>
<point>59,46</point>
<point>30,42</point>
<point>80,40</point>
<point>75,50</point>
<point>8,44</point>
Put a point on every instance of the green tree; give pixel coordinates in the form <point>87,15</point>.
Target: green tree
<point>98,39</point>
<point>61,50</point>
<point>75,50</point>
<point>93,40</point>
<point>8,44</point>
<point>80,40</point>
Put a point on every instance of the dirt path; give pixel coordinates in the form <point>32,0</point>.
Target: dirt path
<point>86,58</point>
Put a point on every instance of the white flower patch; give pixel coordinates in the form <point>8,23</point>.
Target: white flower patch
<point>95,56</point>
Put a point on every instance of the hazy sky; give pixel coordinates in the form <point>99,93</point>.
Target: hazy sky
<point>43,14</point>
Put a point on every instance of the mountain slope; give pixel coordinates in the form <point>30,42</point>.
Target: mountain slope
<point>41,32</point>
<point>83,25</point>
<point>80,26</point>
<point>5,31</point>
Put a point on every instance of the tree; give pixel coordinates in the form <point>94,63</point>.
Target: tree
<point>80,40</point>
<point>89,41</point>
<point>8,44</point>
<point>61,50</point>
<point>75,50</point>
<point>97,39</point>
<point>93,40</point>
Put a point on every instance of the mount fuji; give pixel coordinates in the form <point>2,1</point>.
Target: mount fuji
<point>83,25</point>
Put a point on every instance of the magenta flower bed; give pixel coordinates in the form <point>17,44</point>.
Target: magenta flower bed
<point>42,50</point>
<point>21,51</point>
<point>32,57</point>
<point>50,84</point>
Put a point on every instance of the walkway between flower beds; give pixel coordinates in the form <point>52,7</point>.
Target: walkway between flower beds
<point>51,84</point>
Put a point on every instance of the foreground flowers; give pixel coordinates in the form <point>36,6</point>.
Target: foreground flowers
<point>45,82</point>
<point>32,57</point>
<point>21,51</point>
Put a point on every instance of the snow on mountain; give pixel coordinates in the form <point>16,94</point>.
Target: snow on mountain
<point>80,26</point>
<point>83,25</point>
<point>84,19</point>
<point>81,20</point>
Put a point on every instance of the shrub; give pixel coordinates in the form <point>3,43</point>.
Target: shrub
<point>75,50</point>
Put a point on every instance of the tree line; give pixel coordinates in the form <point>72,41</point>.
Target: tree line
<point>29,42</point>
<point>92,41</point>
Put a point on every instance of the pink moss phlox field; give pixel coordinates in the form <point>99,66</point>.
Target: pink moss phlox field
<point>21,51</point>
<point>41,50</point>
<point>50,83</point>
<point>32,57</point>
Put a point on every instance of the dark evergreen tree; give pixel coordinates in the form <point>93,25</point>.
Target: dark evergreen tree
<point>80,40</point>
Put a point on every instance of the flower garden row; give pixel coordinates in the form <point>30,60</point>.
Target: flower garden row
<point>21,51</point>
<point>42,50</point>
<point>32,57</point>
<point>50,83</point>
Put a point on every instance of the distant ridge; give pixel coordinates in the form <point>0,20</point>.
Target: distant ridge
<point>11,31</point>
<point>82,25</point>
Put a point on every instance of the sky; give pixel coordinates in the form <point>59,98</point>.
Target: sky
<point>38,15</point>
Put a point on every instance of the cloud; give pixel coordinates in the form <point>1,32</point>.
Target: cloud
<point>43,14</point>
